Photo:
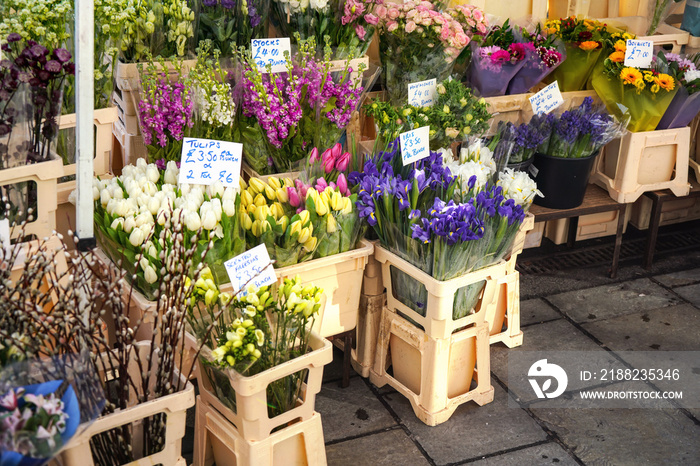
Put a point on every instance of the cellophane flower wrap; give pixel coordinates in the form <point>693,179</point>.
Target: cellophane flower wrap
<point>298,222</point>
<point>642,96</point>
<point>285,114</point>
<point>165,112</point>
<point>584,40</point>
<point>475,25</point>
<point>230,24</point>
<point>417,43</point>
<point>526,138</point>
<point>686,103</point>
<point>132,210</point>
<point>329,165</point>
<point>158,29</point>
<point>549,53</point>
<point>346,26</point>
<point>497,59</point>
<point>253,333</point>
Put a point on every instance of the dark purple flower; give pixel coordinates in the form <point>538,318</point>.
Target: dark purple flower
<point>228,4</point>
<point>62,55</point>
<point>14,37</point>
<point>53,66</point>
<point>38,51</point>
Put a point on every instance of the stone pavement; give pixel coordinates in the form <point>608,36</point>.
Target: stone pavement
<point>575,309</point>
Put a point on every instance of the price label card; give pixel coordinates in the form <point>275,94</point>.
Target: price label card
<point>547,99</point>
<point>414,144</point>
<point>270,52</point>
<point>639,53</point>
<point>204,161</point>
<point>251,268</point>
<point>422,93</point>
<point>5,236</point>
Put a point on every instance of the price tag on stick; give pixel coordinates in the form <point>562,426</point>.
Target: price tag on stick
<point>639,53</point>
<point>270,52</point>
<point>251,268</point>
<point>204,161</point>
<point>547,99</point>
<point>422,93</point>
<point>415,144</point>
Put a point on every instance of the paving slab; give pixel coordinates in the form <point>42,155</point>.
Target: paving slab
<point>350,411</point>
<point>545,454</point>
<point>536,311</point>
<point>472,431</point>
<point>690,293</point>
<point>682,278</point>
<point>626,436</point>
<point>382,449</point>
<point>609,301</point>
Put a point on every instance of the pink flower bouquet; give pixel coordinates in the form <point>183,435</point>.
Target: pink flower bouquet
<point>549,53</point>
<point>475,25</point>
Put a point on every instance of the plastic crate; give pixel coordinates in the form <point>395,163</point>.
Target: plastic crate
<point>589,227</point>
<point>132,146</point>
<point>503,319</point>
<point>520,239</point>
<point>45,176</point>
<point>340,276</point>
<point>672,212</point>
<point>435,374</point>
<point>174,406</point>
<point>217,441</point>
<point>693,45</point>
<point>644,161</point>
<point>533,239</point>
<point>125,103</point>
<point>247,173</point>
<point>438,321</point>
<point>366,332</point>
<point>250,418</point>
<point>666,35</point>
<point>339,65</point>
<point>695,147</point>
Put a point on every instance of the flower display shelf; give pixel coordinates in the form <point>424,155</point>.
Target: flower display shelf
<point>366,333</point>
<point>589,227</point>
<point>217,441</point>
<point>644,161</point>
<point>104,118</point>
<point>29,249</point>
<point>438,321</point>
<point>435,374</point>
<point>340,276</point>
<point>250,418</point>
<point>132,146</point>
<point>673,211</point>
<point>45,175</point>
<point>247,172</point>
<point>665,33</point>
<point>174,406</point>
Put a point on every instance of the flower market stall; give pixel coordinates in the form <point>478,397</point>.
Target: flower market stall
<point>288,177</point>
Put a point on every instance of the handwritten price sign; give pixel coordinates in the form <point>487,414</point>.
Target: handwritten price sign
<point>270,52</point>
<point>251,268</point>
<point>205,161</point>
<point>422,93</point>
<point>639,53</point>
<point>547,99</point>
<point>414,144</point>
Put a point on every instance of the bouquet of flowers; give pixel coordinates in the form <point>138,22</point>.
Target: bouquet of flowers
<point>658,12</point>
<point>253,333</point>
<point>686,103</point>
<point>333,166</point>
<point>347,26</point>
<point>640,95</point>
<point>230,24</point>
<point>134,211</point>
<point>497,59</point>
<point>285,114</point>
<point>550,52</point>
<point>417,42</point>
<point>475,25</point>
<point>583,39</point>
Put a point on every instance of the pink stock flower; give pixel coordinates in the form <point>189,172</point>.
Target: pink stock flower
<point>342,162</point>
<point>313,156</point>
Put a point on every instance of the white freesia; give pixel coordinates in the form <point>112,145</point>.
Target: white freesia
<point>518,186</point>
<point>465,171</point>
<point>691,75</point>
<point>446,154</point>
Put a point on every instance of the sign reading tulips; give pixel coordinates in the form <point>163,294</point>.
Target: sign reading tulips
<point>253,267</point>
<point>415,144</point>
<point>205,161</point>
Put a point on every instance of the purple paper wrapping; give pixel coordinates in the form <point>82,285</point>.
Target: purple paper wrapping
<point>487,79</point>
<point>682,110</point>
<point>533,72</point>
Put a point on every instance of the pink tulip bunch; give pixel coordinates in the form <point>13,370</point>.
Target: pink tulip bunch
<point>329,165</point>
<point>297,194</point>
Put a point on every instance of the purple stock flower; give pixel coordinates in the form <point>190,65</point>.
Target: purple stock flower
<point>166,113</point>
<point>228,4</point>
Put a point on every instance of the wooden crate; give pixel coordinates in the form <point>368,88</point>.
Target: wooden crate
<point>435,374</point>
<point>533,239</point>
<point>366,333</point>
<point>644,161</point>
<point>217,441</point>
<point>520,240</point>
<point>589,227</point>
<point>695,147</point>
<point>250,418</point>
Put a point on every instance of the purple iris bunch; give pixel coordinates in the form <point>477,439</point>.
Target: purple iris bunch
<point>452,223</point>
<point>165,113</point>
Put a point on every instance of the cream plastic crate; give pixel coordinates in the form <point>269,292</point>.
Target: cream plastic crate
<point>665,33</point>
<point>366,332</point>
<point>339,65</point>
<point>45,175</point>
<point>519,241</point>
<point>672,212</point>
<point>438,322</point>
<point>174,406</point>
<point>644,161</point>
<point>503,319</point>
<point>693,45</point>
<point>247,173</point>
<point>251,419</point>
<point>533,239</point>
<point>695,147</point>
<point>589,227</point>
<point>434,374</point>
<point>132,147</point>
<point>340,276</point>
<point>127,76</point>
<point>372,283</point>
<point>217,441</point>
<point>125,102</point>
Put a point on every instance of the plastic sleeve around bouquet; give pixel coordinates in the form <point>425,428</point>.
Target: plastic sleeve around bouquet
<point>71,377</point>
<point>533,71</point>
<point>681,111</point>
<point>573,72</point>
<point>487,79</point>
<point>231,24</point>
<point>223,249</point>
<point>644,109</point>
<point>14,117</point>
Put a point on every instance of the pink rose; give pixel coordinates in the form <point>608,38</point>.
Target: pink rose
<point>477,14</point>
<point>461,39</point>
<point>380,11</point>
<point>392,26</point>
<point>445,34</point>
<point>482,28</point>
<point>371,19</point>
<point>410,27</point>
<point>411,14</point>
<point>393,13</point>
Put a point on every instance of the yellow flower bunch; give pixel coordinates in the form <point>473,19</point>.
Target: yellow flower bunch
<point>641,79</point>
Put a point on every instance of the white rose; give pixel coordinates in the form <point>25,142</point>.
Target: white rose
<point>137,237</point>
